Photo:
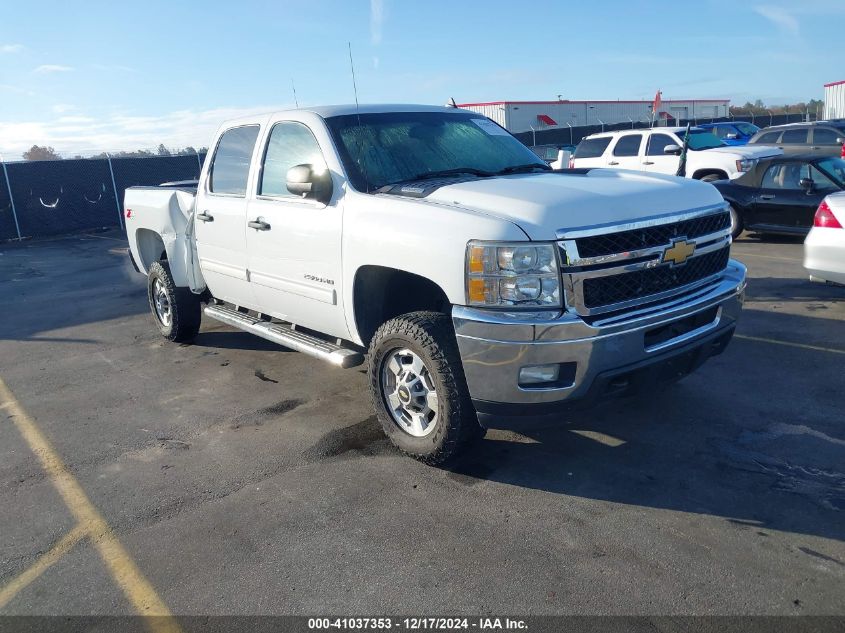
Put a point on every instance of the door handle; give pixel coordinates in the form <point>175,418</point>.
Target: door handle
<point>613,162</point>
<point>648,162</point>
<point>767,196</point>
<point>205,217</point>
<point>259,225</point>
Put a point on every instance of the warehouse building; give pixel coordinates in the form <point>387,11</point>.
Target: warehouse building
<point>525,116</point>
<point>834,100</point>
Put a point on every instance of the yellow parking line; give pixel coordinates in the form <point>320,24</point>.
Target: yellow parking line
<point>815,348</point>
<point>601,438</point>
<point>123,569</point>
<point>65,544</point>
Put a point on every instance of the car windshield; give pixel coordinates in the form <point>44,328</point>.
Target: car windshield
<point>833,168</point>
<point>747,128</point>
<point>392,147</point>
<point>701,139</point>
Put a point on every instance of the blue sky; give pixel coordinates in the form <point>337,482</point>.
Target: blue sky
<point>97,75</point>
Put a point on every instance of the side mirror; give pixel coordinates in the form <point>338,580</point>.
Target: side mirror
<point>305,181</point>
<point>672,149</point>
<point>732,136</point>
<point>807,184</point>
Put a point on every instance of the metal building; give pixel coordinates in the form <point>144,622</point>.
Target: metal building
<point>524,116</point>
<point>834,100</point>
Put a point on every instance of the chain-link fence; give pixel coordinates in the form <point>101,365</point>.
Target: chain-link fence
<point>53,197</point>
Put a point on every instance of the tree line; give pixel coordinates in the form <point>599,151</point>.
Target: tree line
<point>45,152</point>
<point>813,106</point>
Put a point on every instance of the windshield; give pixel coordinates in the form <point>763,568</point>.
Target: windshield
<point>392,147</point>
<point>747,128</point>
<point>701,139</point>
<point>833,168</point>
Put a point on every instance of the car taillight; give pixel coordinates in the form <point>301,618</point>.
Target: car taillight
<point>842,153</point>
<point>824,217</point>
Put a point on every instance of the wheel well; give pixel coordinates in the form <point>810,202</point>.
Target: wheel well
<point>382,293</point>
<point>701,173</point>
<point>150,248</point>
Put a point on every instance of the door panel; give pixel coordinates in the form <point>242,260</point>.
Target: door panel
<point>655,160</point>
<point>295,263</point>
<point>221,210</point>
<point>781,201</point>
<point>626,152</point>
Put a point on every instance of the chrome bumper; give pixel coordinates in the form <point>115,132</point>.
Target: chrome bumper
<point>494,346</point>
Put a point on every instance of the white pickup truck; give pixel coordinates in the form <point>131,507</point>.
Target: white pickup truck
<point>658,151</point>
<point>476,281</point>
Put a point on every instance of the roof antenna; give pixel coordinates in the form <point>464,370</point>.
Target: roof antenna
<point>358,113</point>
<point>452,103</point>
<point>295,100</point>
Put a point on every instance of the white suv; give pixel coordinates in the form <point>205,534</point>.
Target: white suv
<point>658,150</point>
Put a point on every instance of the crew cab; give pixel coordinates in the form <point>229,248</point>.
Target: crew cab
<point>658,150</point>
<point>476,282</point>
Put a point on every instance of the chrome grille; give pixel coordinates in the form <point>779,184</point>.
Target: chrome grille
<point>613,269</point>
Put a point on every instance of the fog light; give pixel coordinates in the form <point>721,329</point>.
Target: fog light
<point>536,374</point>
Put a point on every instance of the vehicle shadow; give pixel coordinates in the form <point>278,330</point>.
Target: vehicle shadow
<point>754,436</point>
<point>793,290</point>
<point>236,339</point>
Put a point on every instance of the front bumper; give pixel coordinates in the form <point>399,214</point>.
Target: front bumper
<point>608,357</point>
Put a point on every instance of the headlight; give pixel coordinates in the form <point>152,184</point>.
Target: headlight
<point>521,274</point>
<point>745,164</point>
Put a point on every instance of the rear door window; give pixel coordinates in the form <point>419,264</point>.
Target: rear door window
<point>795,137</point>
<point>230,167</point>
<point>628,145</point>
<point>769,138</point>
<point>826,136</point>
<point>784,176</point>
<point>592,147</point>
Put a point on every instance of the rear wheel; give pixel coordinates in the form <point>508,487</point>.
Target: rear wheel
<point>176,311</point>
<point>418,387</point>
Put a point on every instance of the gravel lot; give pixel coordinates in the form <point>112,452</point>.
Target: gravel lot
<point>245,479</point>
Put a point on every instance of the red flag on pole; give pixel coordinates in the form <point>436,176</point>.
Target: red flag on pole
<point>657,102</point>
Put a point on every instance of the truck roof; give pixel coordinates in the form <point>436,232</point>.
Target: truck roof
<point>344,109</point>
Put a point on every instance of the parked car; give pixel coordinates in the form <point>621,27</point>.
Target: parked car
<point>475,280</point>
<point>824,248</point>
<point>823,138</point>
<point>781,194</point>
<point>658,150</point>
<point>731,132</point>
<point>550,153</point>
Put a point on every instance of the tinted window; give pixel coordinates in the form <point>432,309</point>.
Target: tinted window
<point>769,137</point>
<point>784,176</point>
<point>747,129</point>
<point>658,142</point>
<point>792,137</point>
<point>826,136</point>
<point>835,168</point>
<point>290,144</point>
<point>230,169</point>
<point>592,147</point>
<point>820,180</point>
<point>628,145</point>
<point>721,131</point>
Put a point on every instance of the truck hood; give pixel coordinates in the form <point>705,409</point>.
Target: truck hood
<point>745,151</point>
<point>542,204</point>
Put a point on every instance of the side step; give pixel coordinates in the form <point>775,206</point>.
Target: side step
<point>284,334</point>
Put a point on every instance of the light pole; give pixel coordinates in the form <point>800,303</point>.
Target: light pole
<point>602,123</point>
<point>632,122</point>
<point>570,132</point>
<point>533,136</point>
<point>771,117</point>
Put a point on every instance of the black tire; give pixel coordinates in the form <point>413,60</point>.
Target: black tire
<point>183,306</point>
<point>737,225</point>
<point>430,336</point>
<point>711,178</point>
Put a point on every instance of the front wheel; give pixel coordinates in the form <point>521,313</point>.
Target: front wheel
<point>418,388</point>
<point>736,222</point>
<point>177,311</point>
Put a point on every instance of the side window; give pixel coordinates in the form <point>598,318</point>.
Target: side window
<point>721,131</point>
<point>230,168</point>
<point>826,136</point>
<point>658,143</point>
<point>769,137</point>
<point>820,181</point>
<point>290,144</point>
<point>784,176</point>
<point>628,145</point>
<point>592,147</point>
<point>794,137</point>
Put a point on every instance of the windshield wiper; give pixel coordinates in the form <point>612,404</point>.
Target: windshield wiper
<point>516,169</point>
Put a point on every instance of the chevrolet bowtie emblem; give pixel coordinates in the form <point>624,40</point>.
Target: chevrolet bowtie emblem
<point>679,252</point>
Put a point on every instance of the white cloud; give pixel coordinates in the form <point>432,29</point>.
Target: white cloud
<point>376,20</point>
<point>11,48</point>
<point>16,90</point>
<point>780,17</point>
<point>52,68</point>
<point>61,108</point>
<point>83,134</point>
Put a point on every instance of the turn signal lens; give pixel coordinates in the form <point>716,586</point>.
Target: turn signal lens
<point>824,217</point>
<point>523,274</point>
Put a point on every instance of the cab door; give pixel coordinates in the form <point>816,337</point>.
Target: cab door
<point>782,202</point>
<point>655,160</point>
<point>219,224</point>
<point>294,243</point>
<point>626,152</point>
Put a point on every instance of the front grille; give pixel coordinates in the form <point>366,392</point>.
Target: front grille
<point>647,237</point>
<point>612,289</point>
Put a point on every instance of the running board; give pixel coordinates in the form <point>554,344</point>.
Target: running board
<point>285,335</point>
